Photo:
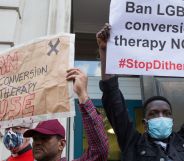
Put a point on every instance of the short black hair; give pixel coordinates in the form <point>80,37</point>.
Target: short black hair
<point>59,137</point>
<point>155,98</point>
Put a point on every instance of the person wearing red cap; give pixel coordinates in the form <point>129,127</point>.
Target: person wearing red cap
<point>49,136</point>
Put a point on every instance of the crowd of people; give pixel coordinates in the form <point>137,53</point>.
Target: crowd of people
<point>49,136</point>
<point>158,143</point>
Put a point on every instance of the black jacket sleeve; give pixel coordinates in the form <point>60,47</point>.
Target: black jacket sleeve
<point>181,131</point>
<point>116,111</point>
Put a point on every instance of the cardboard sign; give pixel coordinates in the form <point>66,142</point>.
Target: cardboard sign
<point>32,81</point>
<point>146,38</point>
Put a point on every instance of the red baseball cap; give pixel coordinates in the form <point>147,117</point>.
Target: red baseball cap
<point>49,127</point>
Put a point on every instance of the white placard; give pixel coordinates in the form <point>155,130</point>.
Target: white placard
<point>147,38</point>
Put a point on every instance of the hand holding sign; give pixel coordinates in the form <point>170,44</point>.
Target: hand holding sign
<point>103,36</point>
<point>80,81</point>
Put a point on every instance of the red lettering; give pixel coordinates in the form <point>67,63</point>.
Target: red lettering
<point>157,64</point>
<point>141,64</point>
<point>179,66</point>
<point>17,107</point>
<point>8,63</point>
<point>3,108</point>
<point>130,63</point>
<point>28,107</point>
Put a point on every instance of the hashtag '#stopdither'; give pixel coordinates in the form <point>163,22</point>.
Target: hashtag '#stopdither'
<point>122,63</point>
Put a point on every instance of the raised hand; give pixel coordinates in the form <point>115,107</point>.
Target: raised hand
<point>80,81</point>
<point>102,36</point>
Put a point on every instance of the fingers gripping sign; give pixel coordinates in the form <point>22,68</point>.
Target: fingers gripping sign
<point>79,83</point>
<point>103,35</point>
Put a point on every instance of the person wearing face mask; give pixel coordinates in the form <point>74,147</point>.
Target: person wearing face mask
<point>19,146</point>
<point>159,142</point>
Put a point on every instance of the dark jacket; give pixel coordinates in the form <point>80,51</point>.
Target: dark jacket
<point>181,131</point>
<point>135,146</point>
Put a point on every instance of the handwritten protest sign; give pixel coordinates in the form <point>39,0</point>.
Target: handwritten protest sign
<point>32,81</point>
<point>146,38</point>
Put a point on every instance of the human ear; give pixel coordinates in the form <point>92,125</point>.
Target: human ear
<point>62,144</point>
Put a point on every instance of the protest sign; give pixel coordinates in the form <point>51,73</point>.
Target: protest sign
<point>146,38</point>
<point>32,81</point>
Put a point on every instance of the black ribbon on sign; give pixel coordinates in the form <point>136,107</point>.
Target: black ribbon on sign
<point>53,47</point>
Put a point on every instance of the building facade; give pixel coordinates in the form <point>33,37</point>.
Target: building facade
<point>25,20</point>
